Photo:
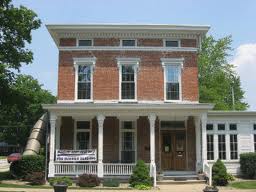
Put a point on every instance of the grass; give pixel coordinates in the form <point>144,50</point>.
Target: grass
<point>2,157</point>
<point>5,176</point>
<point>244,185</point>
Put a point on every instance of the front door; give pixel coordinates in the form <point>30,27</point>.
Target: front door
<point>173,155</point>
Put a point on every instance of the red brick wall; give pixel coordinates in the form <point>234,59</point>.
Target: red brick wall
<point>150,42</point>
<point>188,43</point>
<point>67,42</point>
<point>106,42</point>
<point>106,75</point>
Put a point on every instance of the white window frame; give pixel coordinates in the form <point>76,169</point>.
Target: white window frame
<point>164,42</point>
<point>82,130</point>
<point>81,62</point>
<point>135,63</point>
<point>78,39</point>
<point>127,130</point>
<point>173,61</point>
<point>236,146</point>
<point>121,42</point>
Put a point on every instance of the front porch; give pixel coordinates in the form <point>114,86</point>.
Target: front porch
<point>167,137</point>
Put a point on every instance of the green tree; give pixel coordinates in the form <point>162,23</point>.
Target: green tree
<point>17,118</point>
<point>16,25</point>
<point>217,77</point>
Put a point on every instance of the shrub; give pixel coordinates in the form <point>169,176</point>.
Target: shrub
<point>60,180</point>
<point>142,187</point>
<point>27,165</point>
<point>219,173</point>
<point>36,178</point>
<point>111,183</point>
<point>86,180</point>
<point>248,165</point>
<point>140,175</point>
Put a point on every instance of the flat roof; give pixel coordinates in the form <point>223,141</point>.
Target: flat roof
<point>232,113</point>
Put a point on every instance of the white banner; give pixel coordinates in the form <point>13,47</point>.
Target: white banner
<point>76,155</point>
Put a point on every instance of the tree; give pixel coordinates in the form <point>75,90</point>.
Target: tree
<point>16,25</point>
<point>217,77</point>
<point>17,118</point>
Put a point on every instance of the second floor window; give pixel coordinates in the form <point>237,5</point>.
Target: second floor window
<point>173,82</point>
<point>84,82</point>
<point>127,82</point>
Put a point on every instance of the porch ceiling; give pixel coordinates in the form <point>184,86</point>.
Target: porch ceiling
<point>128,109</point>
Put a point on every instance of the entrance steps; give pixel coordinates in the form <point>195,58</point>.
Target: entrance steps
<point>179,177</point>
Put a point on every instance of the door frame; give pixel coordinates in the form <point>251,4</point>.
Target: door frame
<point>173,132</point>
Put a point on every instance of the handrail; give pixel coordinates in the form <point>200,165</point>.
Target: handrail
<point>208,172</point>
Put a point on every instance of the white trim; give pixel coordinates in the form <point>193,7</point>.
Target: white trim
<point>173,61</point>
<point>135,63</point>
<point>121,42</point>
<point>164,42</point>
<point>78,39</point>
<point>82,130</point>
<point>126,48</point>
<point>121,130</point>
<point>89,61</point>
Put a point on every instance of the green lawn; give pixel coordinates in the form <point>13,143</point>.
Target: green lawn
<point>244,185</point>
<point>2,157</point>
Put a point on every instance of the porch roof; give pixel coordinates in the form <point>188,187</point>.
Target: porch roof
<point>136,109</point>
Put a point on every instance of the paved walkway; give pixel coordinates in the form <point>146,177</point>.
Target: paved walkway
<point>164,188</point>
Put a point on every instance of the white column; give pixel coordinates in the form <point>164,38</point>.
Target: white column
<point>53,119</point>
<point>100,119</point>
<point>57,137</point>
<point>152,119</point>
<point>198,144</point>
<point>204,142</point>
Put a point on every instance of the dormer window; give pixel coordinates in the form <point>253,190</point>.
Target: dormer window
<point>128,42</point>
<point>83,77</point>
<point>128,78</point>
<point>172,78</point>
<point>84,42</point>
<point>172,43</point>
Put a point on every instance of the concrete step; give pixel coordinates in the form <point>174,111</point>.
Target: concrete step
<point>181,177</point>
<point>167,182</point>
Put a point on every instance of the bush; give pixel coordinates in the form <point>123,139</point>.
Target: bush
<point>86,180</point>
<point>219,174</point>
<point>111,183</point>
<point>140,175</point>
<point>142,187</point>
<point>60,180</point>
<point>36,178</point>
<point>27,165</point>
<point>248,165</point>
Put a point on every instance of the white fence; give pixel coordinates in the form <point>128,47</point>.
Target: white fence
<point>208,172</point>
<point>91,168</point>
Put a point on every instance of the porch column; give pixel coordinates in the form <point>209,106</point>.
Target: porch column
<point>152,119</point>
<point>53,119</point>
<point>198,144</point>
<point>100,119</point>
<point>204,139</point>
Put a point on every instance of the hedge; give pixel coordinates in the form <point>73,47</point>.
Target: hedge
<point>27,165</point>
<point>248,165</point>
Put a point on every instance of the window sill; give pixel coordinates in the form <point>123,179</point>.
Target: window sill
<point>172,101</point>
<point>128,101</point>
<point>83,101</point>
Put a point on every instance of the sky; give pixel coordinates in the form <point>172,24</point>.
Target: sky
<point>229,17</point>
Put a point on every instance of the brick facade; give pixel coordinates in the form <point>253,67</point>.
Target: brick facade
<point>106,74</point>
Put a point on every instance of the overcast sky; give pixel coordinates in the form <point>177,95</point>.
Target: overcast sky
<point>229,17</point>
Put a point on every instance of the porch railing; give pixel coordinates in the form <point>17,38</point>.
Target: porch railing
<point>208,172</point>
<point>118,168</point>
<point>75,168</point>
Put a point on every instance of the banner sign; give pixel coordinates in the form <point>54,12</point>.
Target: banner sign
<point>76,155</point>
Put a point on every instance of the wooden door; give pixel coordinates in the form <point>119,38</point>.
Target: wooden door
<point>167,151</point>
<point>180,151</point>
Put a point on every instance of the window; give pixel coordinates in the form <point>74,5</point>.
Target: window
<point>254,126</point>
<point>172,124</point>
<point>82,135</point>
<point>209,127</point>
<point>128,82</point>
<point>233,147</point>
<point>84,82</point>
<point>172,43</point>
<point>222,146</point>
<point>172,82</point>
<point>210,149</point>
<point>221,127</point>
<point>232,127</point>
<point>128,43</point>
<point>84,42</point>
<point>128,141</point>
